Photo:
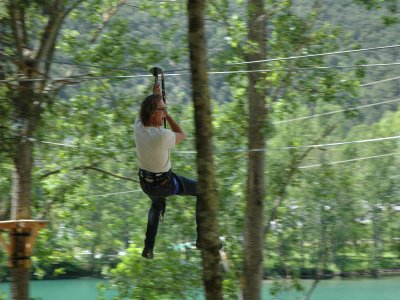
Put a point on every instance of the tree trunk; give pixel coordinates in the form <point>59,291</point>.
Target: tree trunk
<point>27,98</point>
<point>26,113</point>
<point>22,186</point>
<point>20,289</point>
<point>254,231</point>
<point>207,199</point>
<point>375,245</point>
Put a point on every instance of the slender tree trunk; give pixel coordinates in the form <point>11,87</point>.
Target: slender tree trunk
<point>254,231</point>
<point>27,98</point>
<point>25,121</point>
<point>26,114</point>
<point>322,253</point>
<point>20,289</point>
<point>376,240</point>
<point>207,199</point>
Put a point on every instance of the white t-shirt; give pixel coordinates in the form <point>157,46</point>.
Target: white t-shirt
<point>152,147</point>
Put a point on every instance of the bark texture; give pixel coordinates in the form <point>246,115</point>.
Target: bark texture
<point>254,227</point>
<point>27,98</point>
<point>207,200</point>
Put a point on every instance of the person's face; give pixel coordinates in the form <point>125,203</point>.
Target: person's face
<point>160,113</point>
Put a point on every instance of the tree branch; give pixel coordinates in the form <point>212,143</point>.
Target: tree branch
<point>106,20</point>
<point>106,172</point>
<point>49,37</point>
<point>73,6</point>
<point>285,81</point>
<point>17,26</point>
<point>93,169</point>
<point>292,171</point>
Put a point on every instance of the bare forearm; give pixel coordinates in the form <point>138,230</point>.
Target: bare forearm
<point>174,126</point>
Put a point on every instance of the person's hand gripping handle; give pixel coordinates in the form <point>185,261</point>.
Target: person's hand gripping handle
<point>156,89</point>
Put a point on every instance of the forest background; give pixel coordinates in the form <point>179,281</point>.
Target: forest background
<point>333,193</point>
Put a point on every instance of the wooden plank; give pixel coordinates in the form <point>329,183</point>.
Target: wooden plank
<point>11,224</point>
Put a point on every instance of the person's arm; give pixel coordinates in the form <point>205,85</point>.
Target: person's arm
<point>179,133</point>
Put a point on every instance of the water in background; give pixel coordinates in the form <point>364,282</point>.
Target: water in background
<point>334,289</point>
<point>346,289</point>
<point>64,289</point>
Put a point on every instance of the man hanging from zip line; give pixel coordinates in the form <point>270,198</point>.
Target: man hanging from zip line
<point>153,146</point>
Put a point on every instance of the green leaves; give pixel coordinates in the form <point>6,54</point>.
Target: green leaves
<point>390,7</point>
<point>90,124</point>
<point>172,274</point>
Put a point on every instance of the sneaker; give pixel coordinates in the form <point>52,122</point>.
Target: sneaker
<point>148,253</point>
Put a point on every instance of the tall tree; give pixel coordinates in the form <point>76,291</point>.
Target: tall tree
<point>32,54</point>
<point>28,44</point>
<point>254,231</point>
<point>207,199</point>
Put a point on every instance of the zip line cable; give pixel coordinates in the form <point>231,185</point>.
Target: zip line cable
<point>300,147</point>
<point>115,193</point>
<point>77,79</point>
<point>316,55</point>
<point>379,81</point>
<point>71,146</point>
<point>227,64</point>
<point>337,111</point>
<point>349,160</point>
<point>342,143</point>
<point>68,63</point>
<point>212,72</point>
<point>236,150</point>
<point>301,167</point>
<point>348,109</point>
<point>304,68</point>
<point>244,71</point>
<point>190,152</point>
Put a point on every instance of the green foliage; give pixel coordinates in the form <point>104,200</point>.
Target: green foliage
<point>391,8</point>
<point>280,287</point>
<point>173,274</point>
<point>338,218</point>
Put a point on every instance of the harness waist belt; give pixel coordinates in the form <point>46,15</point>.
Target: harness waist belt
<point>144,173</point>
<point>154,177</point>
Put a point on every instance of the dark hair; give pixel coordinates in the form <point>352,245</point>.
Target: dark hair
<point>148,108</point>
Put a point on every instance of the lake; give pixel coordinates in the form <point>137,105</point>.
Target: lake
<point>387,288</point>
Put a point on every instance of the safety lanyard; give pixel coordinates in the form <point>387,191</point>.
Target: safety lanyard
<point>158,71</point>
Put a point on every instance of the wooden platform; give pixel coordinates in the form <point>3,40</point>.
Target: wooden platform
<point>11,224</point>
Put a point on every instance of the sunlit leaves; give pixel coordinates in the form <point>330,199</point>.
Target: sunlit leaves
<point>391,8</point>
<point>90,124</point>
<point>137,278</point>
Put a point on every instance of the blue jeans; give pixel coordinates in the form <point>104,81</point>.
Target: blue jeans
<point>158,191</point>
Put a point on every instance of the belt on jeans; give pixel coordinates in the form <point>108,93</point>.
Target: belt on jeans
<point>152,177</point>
